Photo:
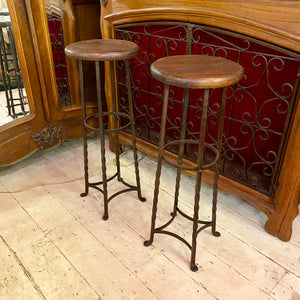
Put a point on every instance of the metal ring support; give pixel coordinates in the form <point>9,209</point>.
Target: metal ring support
<point>116,114</point>
<point>191,168</point>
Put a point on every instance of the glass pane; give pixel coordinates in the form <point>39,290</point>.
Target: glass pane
<point>13,98</point>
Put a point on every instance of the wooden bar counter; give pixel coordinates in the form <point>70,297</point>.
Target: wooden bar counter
<point>262,124</point>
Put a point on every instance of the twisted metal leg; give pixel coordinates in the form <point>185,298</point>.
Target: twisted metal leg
<point>181,147</point>
<point>84,132</point>
<point>114,103</point>
<point>102,140</point>
<point>135,157</point>
<point>159,164</point>
<point>198,178</point>
<point>217,165</point>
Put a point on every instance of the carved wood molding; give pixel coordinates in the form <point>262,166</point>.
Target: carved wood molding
<point>52,8</point>
<point>48,137</point>
<point>211,17</point>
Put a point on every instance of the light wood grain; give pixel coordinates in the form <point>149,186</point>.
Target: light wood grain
<point>55,244</point>
<point>274,21</point>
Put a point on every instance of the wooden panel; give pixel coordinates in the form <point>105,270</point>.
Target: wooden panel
<point>274,21</point>
<point>74,2</point>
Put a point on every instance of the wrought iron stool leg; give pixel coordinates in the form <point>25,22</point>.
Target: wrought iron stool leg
<point>84,133</point>
<point>200,159</point>
<point>159,163</point>
<point>217,165</point>
<point>135,157</point>
<point>181,147</point>
<point>102,140</point>
<point>110,52</point>
<point>116,135</point>
<point>195,222</point>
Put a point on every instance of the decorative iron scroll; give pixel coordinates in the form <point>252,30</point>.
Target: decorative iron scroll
<point>258,109</point>
<point>59,58</point>
<point>48,137</point>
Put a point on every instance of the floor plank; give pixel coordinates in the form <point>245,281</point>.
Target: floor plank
<point>125,211</point>
<point>237,222</point>
<point>154,270</point>
<point>288,288</point>
<point>101,269</point>
<point>44,263</point>
<point>14,281</point>
<point>55,245</point>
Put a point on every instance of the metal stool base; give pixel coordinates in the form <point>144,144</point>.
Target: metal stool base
<point>96,185</point>
<point>115,130</point>
<point>206,224</point>
<point>180,166</point>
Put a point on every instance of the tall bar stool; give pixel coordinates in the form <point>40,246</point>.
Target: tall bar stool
<point>106,50</point>
<point>191,72</point>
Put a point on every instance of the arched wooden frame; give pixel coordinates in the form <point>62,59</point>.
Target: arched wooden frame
<point>265,20</point>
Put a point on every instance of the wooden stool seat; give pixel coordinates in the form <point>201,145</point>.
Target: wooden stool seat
<point>192,72</point>
<point>102,50</point>
<point>196,71</point>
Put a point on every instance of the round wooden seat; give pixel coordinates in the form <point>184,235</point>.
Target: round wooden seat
<point>197,71</point>
<point>102,50</point>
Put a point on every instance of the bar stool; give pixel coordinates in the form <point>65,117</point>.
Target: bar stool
<point>106,50</point>
<point>191,72</point>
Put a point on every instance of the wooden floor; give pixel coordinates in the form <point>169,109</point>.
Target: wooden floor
<point>55,245</point>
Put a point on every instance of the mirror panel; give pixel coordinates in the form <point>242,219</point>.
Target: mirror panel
<point>48,123</point>
<point>13,97</point>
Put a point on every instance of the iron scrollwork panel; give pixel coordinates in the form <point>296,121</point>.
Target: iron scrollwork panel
<point>59,58</point>
<point>258,108</point>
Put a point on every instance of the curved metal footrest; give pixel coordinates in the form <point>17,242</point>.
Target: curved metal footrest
<point>190,218</point>
<point>121,192</point>
<point>175,236</point>
<point>94,184</point>
<point>205,224</point>
<point>129,189</point>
